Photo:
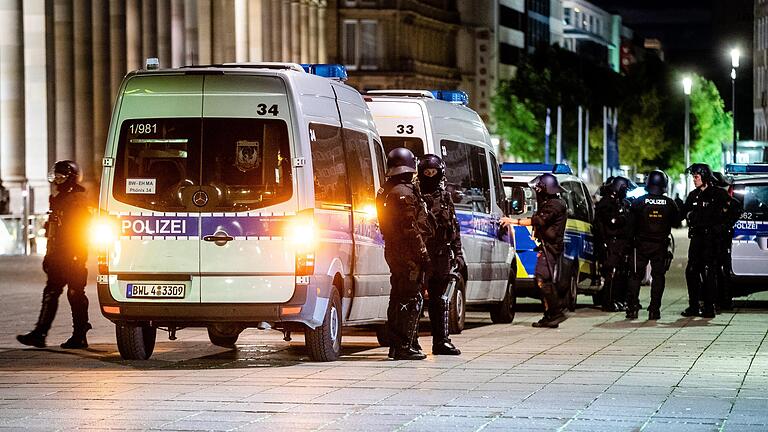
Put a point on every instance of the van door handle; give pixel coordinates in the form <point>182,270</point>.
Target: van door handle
<point>220,238</point>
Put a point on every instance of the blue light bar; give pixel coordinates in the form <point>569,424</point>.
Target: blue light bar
<point>452,96</point>
<point>535,167</point>
<point>746,169</point>
<point>332,71</point>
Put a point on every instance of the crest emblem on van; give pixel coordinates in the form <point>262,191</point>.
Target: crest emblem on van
<point>248,156</point>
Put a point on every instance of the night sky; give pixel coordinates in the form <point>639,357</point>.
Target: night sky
<point>697,36</point>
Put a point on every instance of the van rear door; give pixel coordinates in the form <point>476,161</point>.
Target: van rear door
<point>155,173</point>
<point>251,197</point>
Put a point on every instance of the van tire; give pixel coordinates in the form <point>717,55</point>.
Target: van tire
<point>135,342</point>
<point>504,311</point>
<point>457,309</point>
<point>324,342</point>
<point>573,288</point>
<point>223,340</point>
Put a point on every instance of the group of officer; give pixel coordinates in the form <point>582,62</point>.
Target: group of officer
<point>630,235</point>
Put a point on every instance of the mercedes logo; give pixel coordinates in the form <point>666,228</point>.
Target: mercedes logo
<point>200,198</point>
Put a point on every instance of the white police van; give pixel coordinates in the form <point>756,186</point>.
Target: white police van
<point>749,247</point>
<point>236,196</point>
<point>578,243</point>
<point>438,122</point>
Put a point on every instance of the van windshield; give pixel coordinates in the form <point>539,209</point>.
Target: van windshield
<point>754,198</point>
<point>240,164</point>
<point>415,145</point>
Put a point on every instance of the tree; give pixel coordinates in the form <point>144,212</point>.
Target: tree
<point>644,139</point>
<point>712,126</point>
<point>518,125</point>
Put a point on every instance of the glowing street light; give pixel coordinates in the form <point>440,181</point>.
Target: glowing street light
<point>735,54</point>
<point>687,83</point>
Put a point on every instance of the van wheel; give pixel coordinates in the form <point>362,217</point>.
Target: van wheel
<point>457,310</point>
<point>573,286</point>
<point>504,312</point>
<point>382,335</point>
<point>324,342</point>
<point>135,342</point>
<point>222,339</point>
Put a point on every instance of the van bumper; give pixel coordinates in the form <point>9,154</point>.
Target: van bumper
<point>307,306</point>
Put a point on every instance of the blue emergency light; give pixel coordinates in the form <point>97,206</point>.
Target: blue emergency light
<point>746,169</point>
<point>535,167</point>
<point>452,96</point>
<point>332,71</point>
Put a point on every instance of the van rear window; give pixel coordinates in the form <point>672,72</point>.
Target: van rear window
<point>415,145</point>
<point>754,198</point>
<point>241,164</point>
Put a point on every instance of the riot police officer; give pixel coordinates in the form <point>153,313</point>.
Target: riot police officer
<point>733,212</point>
<point>613,237</point>
<point>705,209</point>
<point>548,223</point>
<point>444,249</point>
<point>65,257</point>
<point>653,216</point>
<point>405,225</point>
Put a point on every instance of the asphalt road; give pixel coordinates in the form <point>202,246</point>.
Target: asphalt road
<point>596,372</point>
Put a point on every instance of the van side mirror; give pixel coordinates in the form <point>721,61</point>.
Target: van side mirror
<point>515,203</point>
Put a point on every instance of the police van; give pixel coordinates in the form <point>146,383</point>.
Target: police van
<point>439,122</point>
<point>237,196</point>
<point>578,242</point>
<point>749,247</point>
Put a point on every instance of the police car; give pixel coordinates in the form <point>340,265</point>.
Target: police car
<point>749,249</point>
<point>578,243</point>
<point>440,123</point>
<point>237,196</point>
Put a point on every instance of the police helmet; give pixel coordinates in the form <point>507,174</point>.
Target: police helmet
<point>431,161</point>
<point>65,171</point>
<point>720,180</point>
<point>657,182</point>
<point>399,161</point>
<point>620,185</point>
<point>546,183</point>
<point>703,170</point>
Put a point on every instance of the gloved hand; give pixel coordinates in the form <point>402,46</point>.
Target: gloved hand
<point>460,263</point>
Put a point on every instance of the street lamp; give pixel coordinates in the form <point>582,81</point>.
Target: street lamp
<point>735,53</point>
<point>687,82</point>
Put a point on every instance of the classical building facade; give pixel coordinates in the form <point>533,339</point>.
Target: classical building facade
<point>61,63</point>
<point>760,71</point>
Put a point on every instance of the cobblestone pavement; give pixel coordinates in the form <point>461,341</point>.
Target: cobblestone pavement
<point>596,372</point>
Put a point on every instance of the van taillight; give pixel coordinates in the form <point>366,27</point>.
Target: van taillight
<point>305,263</point>
<point>103,266</point>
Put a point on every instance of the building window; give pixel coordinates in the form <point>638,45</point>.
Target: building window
<point>360,3</point>
<point>360,43</point>
<point>567,20</point>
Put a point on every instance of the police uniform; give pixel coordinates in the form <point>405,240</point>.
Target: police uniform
<point>548,224</point>
<point>444,249</point>
<point>404,224</point>
<point>733,212</point>
<point>613,238</point>
<point>654,215</point>
<point>65,260</point>
<point>706,211</point>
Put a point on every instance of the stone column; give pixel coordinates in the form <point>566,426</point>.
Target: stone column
<point>36,112</point>
<point>191,46</point>
<point>81,12</point>
<point>255,39</point>
<point>117,45</point>
<point>223,31</point>
<point>133,35</point>
<point>164,33</point>
<point>178,49</point>
<point>101,82</point>
<point>285,31</point>
<point>304,28</point>
<point>295,30</point>
<point>241,30</point>
<point>204,32</point>
<point>148,30</point>
<point>322,49</point>
<point>64,80</point>
<point>312,31</point>
<point>277,31</point>
<point>12,94</point>
<point>266,30</point>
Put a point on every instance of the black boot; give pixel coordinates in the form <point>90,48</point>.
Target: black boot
<point>78,339</point>
<point>631,314</point>
<point>690,311</point>
<point>408,324</point>
<point>33,338</point>
<point>654,314</point>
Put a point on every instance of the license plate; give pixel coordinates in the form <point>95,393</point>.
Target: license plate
<point>155,290</point>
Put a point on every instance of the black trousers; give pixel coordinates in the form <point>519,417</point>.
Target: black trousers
<point>701,272</point>
<point>72,274</point>
<point>544,273</point>
<point>438,307</point>
<point>615,271</point>
<point>405,302</point>
<point>645,252</point>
